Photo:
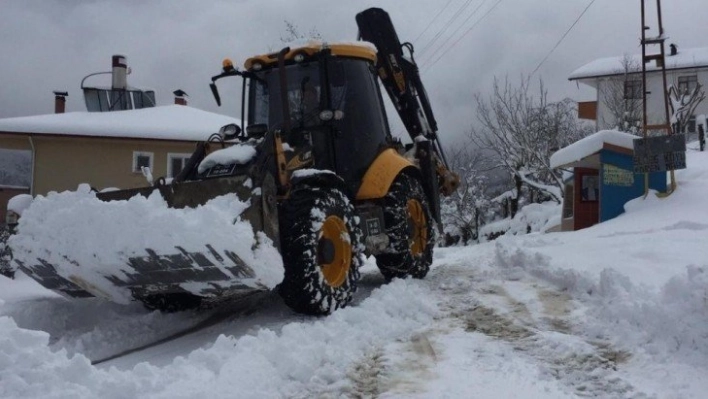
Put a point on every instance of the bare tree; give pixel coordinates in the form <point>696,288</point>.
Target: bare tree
<point>522,131</point>
<point>469,207</point>
<point>683,104</point>
<point>293,33</point>
<point>622,98</point>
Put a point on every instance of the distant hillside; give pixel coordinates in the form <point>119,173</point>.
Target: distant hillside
<point>15,168</point>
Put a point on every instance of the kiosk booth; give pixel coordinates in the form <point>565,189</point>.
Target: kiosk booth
<point>600,178</point>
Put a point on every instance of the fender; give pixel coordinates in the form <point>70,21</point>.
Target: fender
<point>381,173</point>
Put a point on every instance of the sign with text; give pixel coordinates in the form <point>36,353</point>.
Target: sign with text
<point>614,176</point>
<point>659,154</point>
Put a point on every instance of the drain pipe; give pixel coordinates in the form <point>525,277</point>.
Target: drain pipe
<point>34,161</point>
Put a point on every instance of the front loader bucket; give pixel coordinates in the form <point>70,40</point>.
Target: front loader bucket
<point>208,238</point>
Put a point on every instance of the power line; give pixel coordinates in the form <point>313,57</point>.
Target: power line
<point>431,21</point>
<point>446,27</point>
<point>465,34</point>
<point>455,32</point>
<point>562,37</point>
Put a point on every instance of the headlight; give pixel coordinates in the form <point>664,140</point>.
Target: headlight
<point>299,57</point>
<point>326,115</point>
<point>229,131</point>
<point>12,218</point>
<point>257,66</point>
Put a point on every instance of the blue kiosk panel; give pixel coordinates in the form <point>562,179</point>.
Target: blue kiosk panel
<point>619,184</point>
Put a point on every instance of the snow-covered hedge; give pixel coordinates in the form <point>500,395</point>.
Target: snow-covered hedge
<point>530,219</point>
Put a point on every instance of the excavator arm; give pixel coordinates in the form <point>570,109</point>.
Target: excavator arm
<point>400,77</point>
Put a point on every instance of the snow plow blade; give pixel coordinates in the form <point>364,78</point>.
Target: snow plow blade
<point>217,263</point>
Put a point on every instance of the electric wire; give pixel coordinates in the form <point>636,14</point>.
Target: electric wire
<point>445,43</point>
<point>464,34</point>
<point>432,21</point>
<point>449,23</point>
<point>562,37</point>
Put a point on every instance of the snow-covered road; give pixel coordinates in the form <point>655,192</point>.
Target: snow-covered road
<point>614,311</point>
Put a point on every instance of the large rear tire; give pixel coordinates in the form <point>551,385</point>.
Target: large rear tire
<point>321,249</point>
<point>409,226</point>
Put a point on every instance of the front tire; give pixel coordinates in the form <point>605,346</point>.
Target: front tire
<point>409,226</point>
<point>321,249</point>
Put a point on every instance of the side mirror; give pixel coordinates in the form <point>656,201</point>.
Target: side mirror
<point>256,131</point>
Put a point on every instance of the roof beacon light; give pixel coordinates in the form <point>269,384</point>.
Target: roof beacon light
<point>227,65</point>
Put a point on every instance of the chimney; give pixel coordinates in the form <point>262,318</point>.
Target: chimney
<point>674,49</point>
<point>120,72</point>
<point>180,97</point>
<point>60,101</point>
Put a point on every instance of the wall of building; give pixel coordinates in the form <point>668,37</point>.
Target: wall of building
<point>655,104</point>
<point>14,142</point>
<point>62,163</point>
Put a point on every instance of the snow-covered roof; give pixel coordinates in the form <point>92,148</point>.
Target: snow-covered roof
<point>686,58</point>
<point>170,122</point>
<point>590,145</point>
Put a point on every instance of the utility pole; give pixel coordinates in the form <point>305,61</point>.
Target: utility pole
<point>660,59</point>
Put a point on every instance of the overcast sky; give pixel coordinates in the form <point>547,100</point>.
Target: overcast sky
<point>178,44</point>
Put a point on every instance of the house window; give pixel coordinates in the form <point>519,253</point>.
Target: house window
<point>590,189</point>
<point>632,89</point>
<point>142,159</point>
<point>175,163</point>
<point>686,84</point>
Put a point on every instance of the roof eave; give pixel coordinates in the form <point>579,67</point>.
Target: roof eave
<point>622,73</point>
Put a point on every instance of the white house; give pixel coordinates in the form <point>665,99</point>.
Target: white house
<point>621,76</point>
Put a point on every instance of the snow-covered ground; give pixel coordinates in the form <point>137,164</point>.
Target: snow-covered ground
<point>619,310</point>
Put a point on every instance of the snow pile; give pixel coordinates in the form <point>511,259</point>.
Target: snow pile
<point>313,357</point>
<point>25,358</point>
<point>236,154</point>
<point>644,273</point>
<point>19,203</point>
<point>532,218</point>
<point>617,310</point>
<point>75,228</point>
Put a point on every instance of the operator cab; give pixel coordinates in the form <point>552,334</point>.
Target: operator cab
<point>334,106</point>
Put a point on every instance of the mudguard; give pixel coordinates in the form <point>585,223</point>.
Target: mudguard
<point>383,171</point>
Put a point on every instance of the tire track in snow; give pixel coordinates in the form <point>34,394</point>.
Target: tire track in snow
<point>588,368</point>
